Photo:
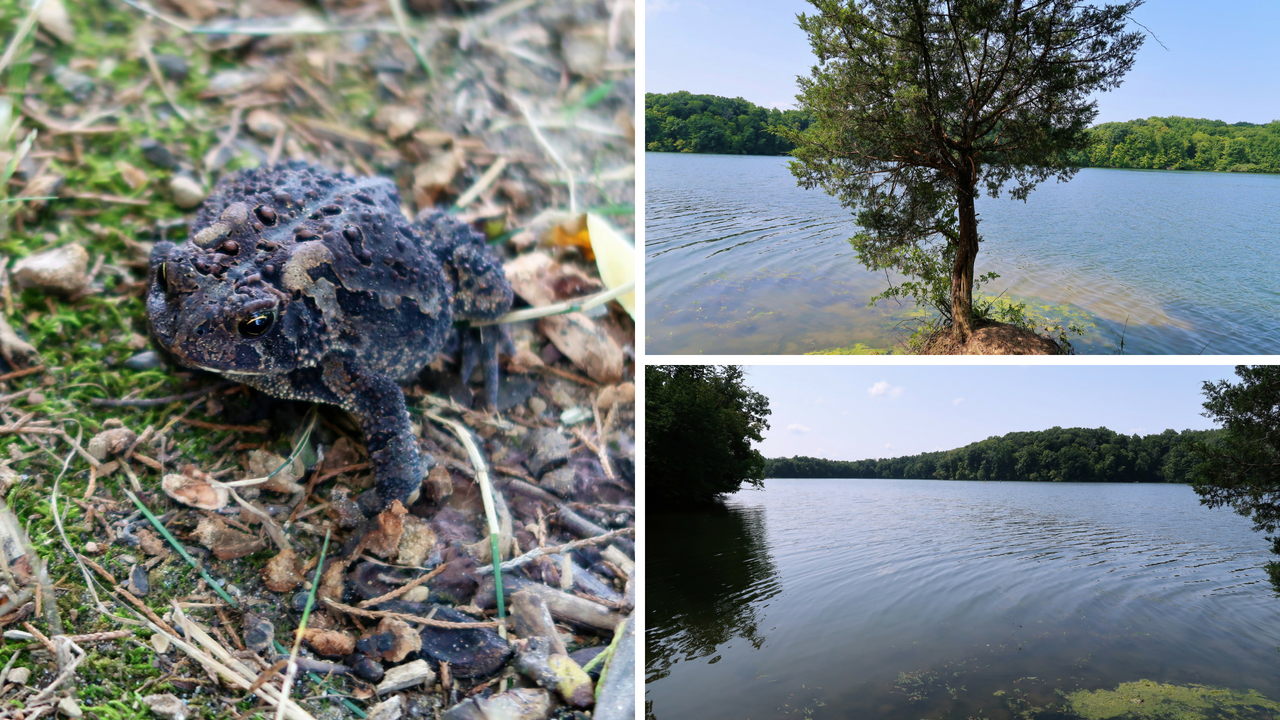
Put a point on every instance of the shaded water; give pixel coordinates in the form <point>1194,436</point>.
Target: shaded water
<point>739,260</point>
<point>909,599</point>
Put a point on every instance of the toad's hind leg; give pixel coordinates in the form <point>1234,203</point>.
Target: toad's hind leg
<point>378,403</point>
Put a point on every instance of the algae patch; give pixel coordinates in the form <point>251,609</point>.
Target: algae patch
<point>1147,699</point>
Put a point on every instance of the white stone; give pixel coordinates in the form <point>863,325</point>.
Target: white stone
<point>406,676</point>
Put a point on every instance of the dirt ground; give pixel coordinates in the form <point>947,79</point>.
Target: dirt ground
<point>120,598</point>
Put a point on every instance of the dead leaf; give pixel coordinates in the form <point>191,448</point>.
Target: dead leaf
<point>262,463</point>
<point>226,543</point>
<point>592,350</point>
<point>623,394</point>
<point>331,642</point>
<point>434,177</point>
<point>194,488</point>
<point>111,442</point>
<point>133,177</point>
<point>150,543</point>
<point>384,540</point>
<point>281,572</point>
<point>417,542</point>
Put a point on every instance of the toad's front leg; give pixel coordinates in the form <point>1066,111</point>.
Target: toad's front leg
<point>378,403</point>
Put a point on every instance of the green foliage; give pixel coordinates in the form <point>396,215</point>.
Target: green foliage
<point>1178,143</point>
<point>700,421</point>
<point>1242,469</point>
<point>681,122</point>
<point>1055,455</point>
<point>918,103</point>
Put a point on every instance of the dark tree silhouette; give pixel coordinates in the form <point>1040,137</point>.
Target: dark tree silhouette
<point>700,421</point>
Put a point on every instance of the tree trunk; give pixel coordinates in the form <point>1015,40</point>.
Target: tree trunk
<point>962,270</point>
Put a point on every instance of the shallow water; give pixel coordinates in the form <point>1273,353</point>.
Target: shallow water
<point>739,260</point>
<point>910,599</point>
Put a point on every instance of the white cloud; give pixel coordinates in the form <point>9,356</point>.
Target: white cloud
<point>887,446</point>
<point>883,388</point>
<point>797,428</point>
<point>957,401</point>
<point>1137,431</point>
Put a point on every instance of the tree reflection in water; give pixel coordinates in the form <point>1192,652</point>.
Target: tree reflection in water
<point>709,571</point>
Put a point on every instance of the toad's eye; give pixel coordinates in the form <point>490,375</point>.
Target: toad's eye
<point>162,274</point>
<point>257,325</point>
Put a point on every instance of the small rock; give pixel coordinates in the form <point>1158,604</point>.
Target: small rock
<point>387,709</point>
<point>150,543</point>
<point>417,544</point>
<point>160,642</point>
<point>158,154</point>
<point>384,539</point>
<point>139,584</point>
<point>548,450</point>
<point>575,415</point>
<point>406,676</point>
<point>343,509</point>
<point>521,704</point>
<point>91,548</point>
<point>55,21</point>
<point>167,706</point>
<point>537,405</point>
<point>560,481</point>
<point>36,398</point>
<point>147,360</point>
<point>366,668</point>
<point>134,177</point>
<point>397,120</point>
<point>438,485</point>
<point>111,442</point>
<point>187,193</point>
<point>19,676</point>
<point>584,48</point>
<point>470,653</point>
<point>79,85</point>
<point>128,559</point>
<point>174,67</point>
<point>68,707</point>
<point>63,270</point>
<point>258,632</point>
<point>264,123</point>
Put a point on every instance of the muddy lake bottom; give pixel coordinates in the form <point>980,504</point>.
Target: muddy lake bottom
<point>739,260</point>
<point>911,599</point>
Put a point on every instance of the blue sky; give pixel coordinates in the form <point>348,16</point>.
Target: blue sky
<point>855,412</point>
<point>1220,63</point>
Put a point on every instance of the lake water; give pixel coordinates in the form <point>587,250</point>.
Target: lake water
<point>910,599</point>
<point>739,260</point>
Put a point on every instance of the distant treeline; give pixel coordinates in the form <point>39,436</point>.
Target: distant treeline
<point>1176,143</point>
<point>1055,455</point>
<point>682,122</point>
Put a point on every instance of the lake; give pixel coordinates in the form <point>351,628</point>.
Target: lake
<point>739,260</point>
<point>910,599</point>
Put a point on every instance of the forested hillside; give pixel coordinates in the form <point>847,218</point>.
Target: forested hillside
<point>1176,143</point>
<point>683,122</point>
<point>1056,455</point>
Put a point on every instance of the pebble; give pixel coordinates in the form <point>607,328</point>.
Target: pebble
<point>91,548</point>
<point>128,559</point>
<point>366,667</point>
<point>19,676</point>
<point>167,706</point>
<point>264,123</point>
<point>548,450</point>
<point>157,154</point>
<point>187,193</point>
<point>35,398</point>
<point>258,632</point>
<point>406,676</point>
<point>68,707</point>
<point>78,84</point>
<point>537,405</point>
<point>149,360</point>
<point>63,270</point>
<point>387,709</point>
<point>174,67</point>
<point>139,580</point>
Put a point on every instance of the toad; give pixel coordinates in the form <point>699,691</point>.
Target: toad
<point>312,285</point>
